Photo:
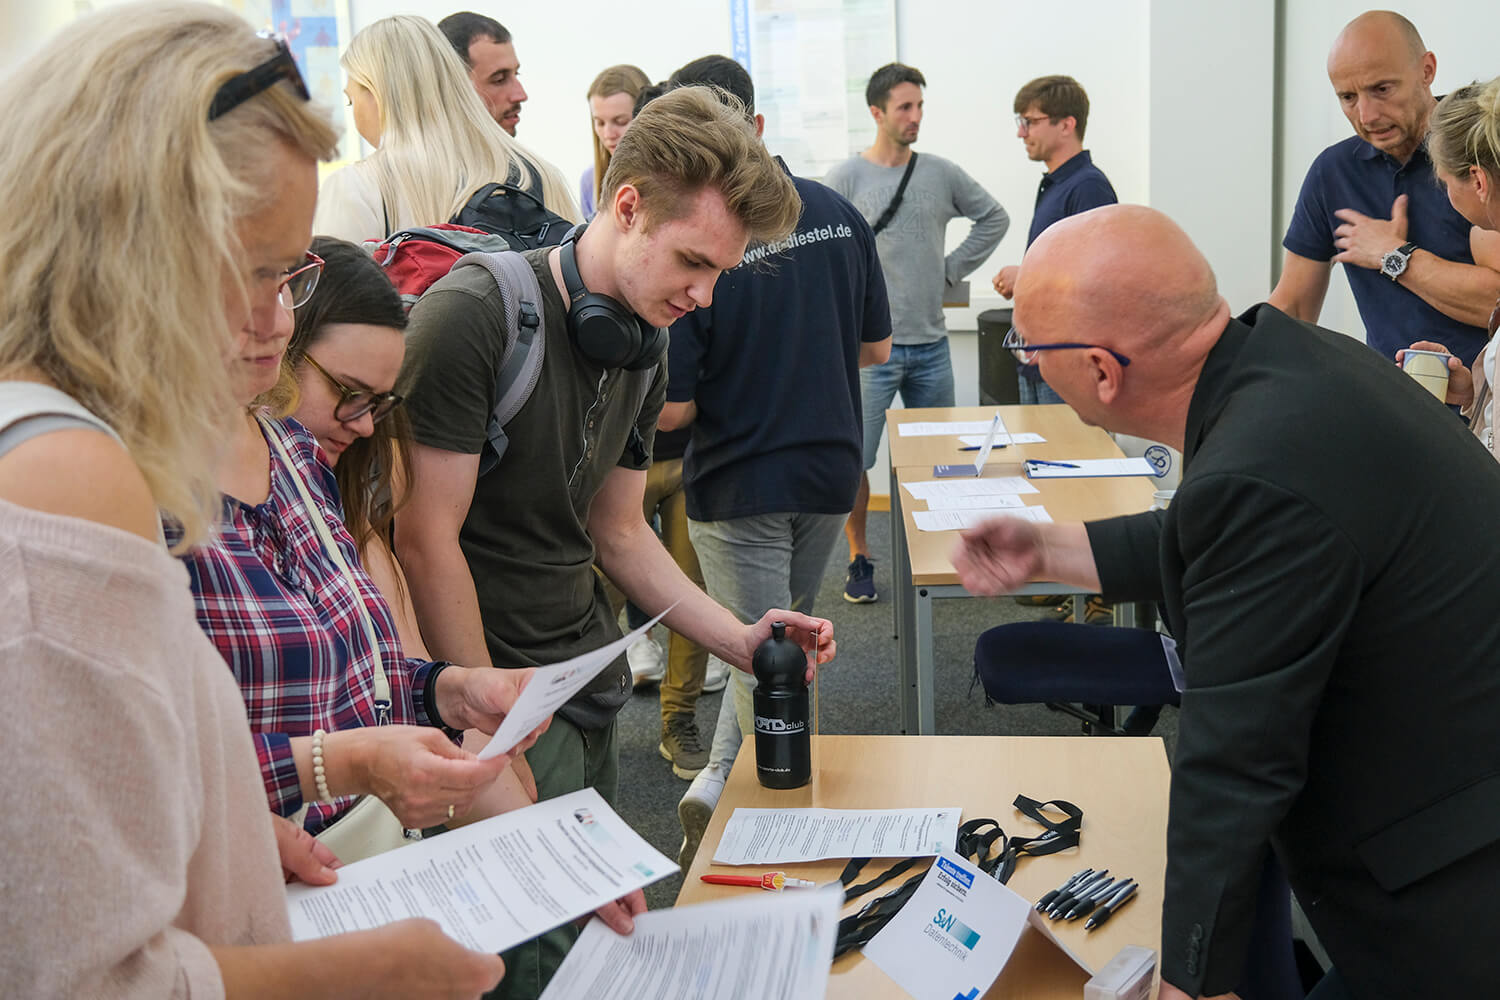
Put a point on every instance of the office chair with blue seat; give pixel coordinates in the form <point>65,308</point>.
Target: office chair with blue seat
<point>1082,670</point>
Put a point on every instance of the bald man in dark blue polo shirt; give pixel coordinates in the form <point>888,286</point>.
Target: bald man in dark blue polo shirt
<point>1051,115</point>
<point>1418,270</point>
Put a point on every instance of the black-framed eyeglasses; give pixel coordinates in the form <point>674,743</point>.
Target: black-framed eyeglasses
<point>298,284</point>
<point>1027,124</point>
<point>239,89</point>
<point>355,403</point>
<point>1027,353</point>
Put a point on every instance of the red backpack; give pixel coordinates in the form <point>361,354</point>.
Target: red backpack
<point>414,259</point>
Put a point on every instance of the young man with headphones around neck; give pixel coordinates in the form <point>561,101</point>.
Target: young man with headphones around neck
<point>501,564</point>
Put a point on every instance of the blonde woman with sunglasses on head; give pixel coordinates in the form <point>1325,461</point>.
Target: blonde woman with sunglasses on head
<point>435,142</point>
<point>141,861</point>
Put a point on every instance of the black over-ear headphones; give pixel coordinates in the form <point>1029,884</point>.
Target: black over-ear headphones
<point>607,332</point>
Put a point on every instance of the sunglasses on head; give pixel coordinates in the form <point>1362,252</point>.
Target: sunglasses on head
<point>239,89</point>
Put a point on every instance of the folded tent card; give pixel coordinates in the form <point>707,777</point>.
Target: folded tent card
<point>975,470</point>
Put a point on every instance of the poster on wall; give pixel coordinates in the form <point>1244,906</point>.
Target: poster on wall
<point>317,31</point>
<point>810,60</point>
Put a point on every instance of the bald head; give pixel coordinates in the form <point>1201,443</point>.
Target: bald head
<point>1382,74</point>
<point>1127,279</point>
<point>1384,30</point>
<point>1125,273</point>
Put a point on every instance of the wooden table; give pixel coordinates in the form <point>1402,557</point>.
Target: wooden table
<point>923,570</point>
<point>1120,784</point>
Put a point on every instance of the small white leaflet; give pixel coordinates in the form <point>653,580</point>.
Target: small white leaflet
<point>955,520</point>
<point>551,687</point>
<point>998,486</point>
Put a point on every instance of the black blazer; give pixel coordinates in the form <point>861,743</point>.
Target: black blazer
<point>1331,567</point>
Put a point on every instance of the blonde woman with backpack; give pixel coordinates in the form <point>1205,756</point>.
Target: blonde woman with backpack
<point>435,142</point>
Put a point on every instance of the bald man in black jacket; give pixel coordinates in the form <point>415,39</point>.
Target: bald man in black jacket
<point>1330,508</point>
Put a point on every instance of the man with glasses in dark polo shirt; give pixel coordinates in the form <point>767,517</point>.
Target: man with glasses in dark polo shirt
<point>1051,115</point>
<point>1418,270</point>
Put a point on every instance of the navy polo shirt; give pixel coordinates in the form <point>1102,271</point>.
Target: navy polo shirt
<point>1074,187</point>
<point>773,366</point>
<point>1354,174</point>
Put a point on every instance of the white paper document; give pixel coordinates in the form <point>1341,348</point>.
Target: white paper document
<point>977,440</point>
<point>927,489</point>
<point>997,501</point>
<point>1085,468</point>
<point>551,687</point>
<point>955,934</point>
<point>492,884</point>
<point>935,429</point>
<point>955,520</point>
<point>785,836</point>
<point>762,945</point>
<point>976,467</point>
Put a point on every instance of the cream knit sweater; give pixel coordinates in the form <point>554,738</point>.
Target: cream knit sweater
<point>131,806</point>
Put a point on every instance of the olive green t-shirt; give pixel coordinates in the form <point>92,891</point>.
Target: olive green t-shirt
<point>526,535</point>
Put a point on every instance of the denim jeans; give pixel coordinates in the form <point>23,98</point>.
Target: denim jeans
<point>753,564</point>
<point>922,373</point>
<point>1036,392</point>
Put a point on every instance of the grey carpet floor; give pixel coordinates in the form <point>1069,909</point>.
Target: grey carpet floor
<point>857,693</point>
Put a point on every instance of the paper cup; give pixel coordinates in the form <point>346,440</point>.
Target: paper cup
<point>1430,368</point>
<point>1162,499</point>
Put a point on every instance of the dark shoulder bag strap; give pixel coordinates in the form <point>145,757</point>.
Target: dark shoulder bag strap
<point>890,210</point>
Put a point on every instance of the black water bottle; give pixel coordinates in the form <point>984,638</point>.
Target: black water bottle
<point>783,737</point>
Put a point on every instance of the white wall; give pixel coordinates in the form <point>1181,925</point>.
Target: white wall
<point>976,54</point>
<point>1210,134</point>
<point>1455,30</point>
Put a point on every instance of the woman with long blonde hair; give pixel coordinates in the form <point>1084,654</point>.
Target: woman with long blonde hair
<point>612,97</point>
<point>435,142</point>
<point>160,161</point>
<point>1463,140</point>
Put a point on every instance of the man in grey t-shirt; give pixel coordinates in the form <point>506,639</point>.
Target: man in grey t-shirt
<point>916,270</point>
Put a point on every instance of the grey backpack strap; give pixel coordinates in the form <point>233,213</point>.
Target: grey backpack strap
<point>525,343</point>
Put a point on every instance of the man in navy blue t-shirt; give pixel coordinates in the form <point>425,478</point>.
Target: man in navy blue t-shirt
<point>1051,115</point>
<point>1418,270</point>
<point>768,378</point>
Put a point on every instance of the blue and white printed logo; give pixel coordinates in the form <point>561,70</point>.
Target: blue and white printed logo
<point>1160,458</point>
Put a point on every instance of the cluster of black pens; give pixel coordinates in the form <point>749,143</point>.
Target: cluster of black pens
<point>1087,894</point>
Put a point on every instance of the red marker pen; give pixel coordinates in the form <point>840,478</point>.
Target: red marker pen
<point>774,881</point>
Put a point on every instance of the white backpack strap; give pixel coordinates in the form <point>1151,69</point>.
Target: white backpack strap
<point>525,343</point>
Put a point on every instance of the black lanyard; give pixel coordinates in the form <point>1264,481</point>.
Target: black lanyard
<point>975,840</point>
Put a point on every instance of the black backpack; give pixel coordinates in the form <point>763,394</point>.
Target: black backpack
<point>516,215</point>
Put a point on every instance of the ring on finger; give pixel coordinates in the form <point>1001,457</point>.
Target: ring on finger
<point>450,812</point>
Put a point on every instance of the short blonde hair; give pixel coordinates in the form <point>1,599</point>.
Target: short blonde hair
<point>1465,131</point>
<point>691,139</point>
<point>622,79</point>
<point>121,227</point>
<point>438,143</point>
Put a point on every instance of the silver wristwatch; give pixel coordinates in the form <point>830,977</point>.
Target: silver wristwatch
<point>1393,264</point>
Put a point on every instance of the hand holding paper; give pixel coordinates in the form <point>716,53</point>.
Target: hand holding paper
<point>551,687</point>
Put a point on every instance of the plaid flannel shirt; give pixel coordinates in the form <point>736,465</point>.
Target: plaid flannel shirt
<point>287,622</point>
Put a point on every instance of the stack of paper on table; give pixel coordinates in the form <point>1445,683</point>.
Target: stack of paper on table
<point>954,504</point>
<point>957,520</point>
<point>789,836</point>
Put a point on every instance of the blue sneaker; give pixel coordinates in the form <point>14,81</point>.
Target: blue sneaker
<point>859,585</point>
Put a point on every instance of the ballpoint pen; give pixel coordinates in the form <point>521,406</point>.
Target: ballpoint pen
<point>1107,909</point>
<point>1082,907</point>
<point>1055,465</point>
<point>774,881</point>
<point>976,447</point>
<point>1066,899</point>
<point>1073,880</point>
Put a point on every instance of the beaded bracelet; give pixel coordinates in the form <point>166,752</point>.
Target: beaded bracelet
<point>320,777</point>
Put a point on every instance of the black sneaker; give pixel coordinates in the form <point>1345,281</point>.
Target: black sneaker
<point>683,746</point>
<point>859,585</point>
